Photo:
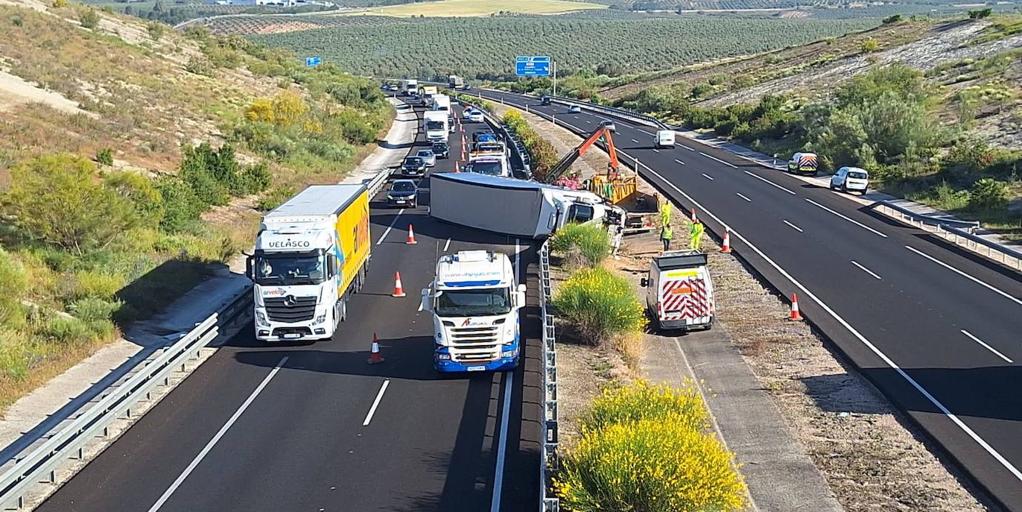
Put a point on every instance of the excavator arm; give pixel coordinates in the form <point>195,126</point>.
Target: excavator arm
<point>565,162</point>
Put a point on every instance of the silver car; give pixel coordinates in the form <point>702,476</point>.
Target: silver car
<point>427,156</point>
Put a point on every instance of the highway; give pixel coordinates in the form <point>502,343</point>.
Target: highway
<point>935,328</point>
<point>314,427</point>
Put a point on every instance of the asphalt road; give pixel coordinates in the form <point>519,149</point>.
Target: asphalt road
<point>934,327</point>
<point>315,428</point>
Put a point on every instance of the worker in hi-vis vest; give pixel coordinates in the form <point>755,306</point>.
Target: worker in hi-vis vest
<point>666,234</point>
<point>695,234</point>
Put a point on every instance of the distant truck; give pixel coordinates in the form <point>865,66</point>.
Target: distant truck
<point>514,207</point>
<point>311,254</point>
<point>434,124</point>
<point>426,97</point>
<point>441,102</point>
<point>475,299</point>
<point>803,163</point>
<point>679,291</point>
<point>455,82</point>
<point>409,87</point>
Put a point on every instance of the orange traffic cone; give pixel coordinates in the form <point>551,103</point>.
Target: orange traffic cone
<point>399,291</point>
<point>411,236</point>
<point>795,314</point>
<point>457,168</point>
<point>693,219</point>
<point>726,247</point>
<point>374,352</point>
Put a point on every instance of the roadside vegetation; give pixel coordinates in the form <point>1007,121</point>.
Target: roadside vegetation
<point>134,174</point>
<point>648,447</point>
<point>541,153</point>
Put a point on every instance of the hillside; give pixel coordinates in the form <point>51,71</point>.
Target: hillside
<point>486,47</point>
<point>953,87</point>
<point>132,160</point>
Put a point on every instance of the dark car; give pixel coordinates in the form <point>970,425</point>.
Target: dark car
<point>545,100</point>
<point>441,150</point>
<point>403,193</point>
<point>413,166</point>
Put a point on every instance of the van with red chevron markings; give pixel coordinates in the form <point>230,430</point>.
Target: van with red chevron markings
<point>679,291</point>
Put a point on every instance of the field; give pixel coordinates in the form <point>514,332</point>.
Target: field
<point>477,8</point>
<point>486,47</point>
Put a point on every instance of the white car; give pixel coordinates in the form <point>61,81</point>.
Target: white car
<point>850,179</point>
<point>476,116</point>
<point>575,109</point>
<point>427,156</point>
<point>467,113</point>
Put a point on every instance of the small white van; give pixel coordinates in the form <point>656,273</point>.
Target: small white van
<point>679,291</point>
<point>663,139</point>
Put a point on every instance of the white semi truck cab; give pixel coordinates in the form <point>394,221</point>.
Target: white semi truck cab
<point>475,299</point>
<point>434,123</point>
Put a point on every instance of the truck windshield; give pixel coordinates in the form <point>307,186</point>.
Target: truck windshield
<point>481,302</point>
<point>490,168</point>
<point>289,269</point>
<point>434,125</point>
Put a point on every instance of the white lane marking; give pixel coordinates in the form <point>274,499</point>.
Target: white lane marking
<point>635,141</point>
<point>655,150</point>
<point>805,291</point>
<point>768,182</point>
<point>707,176</point>
<point>448,244</point>
<point>376,403</point>
<point>988,347</point>
<point>967,276</point>
<point>794,226</point>
<point>390,227</point>
<point>216,438</point>
<point>679,161</point>
<point>498,472</point>
<point>739,194</point>
<point>688,148</point>
<point>849,219</point>
<point>729,164</point>
<point>866,270</point>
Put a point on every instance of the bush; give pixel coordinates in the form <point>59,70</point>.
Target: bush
<point>199,66</point>
<point>892,19</point>
<point>275,197</point>
<point>658,465</point>
<point>94,309</point>
<point>869,45</point>
<point>142,192</point>
<point>181,206</point>
<point>56,199</point>
<point>644,401</point>
<point>105,156</point>
<point>979,14</point>
<point>13,282</point>
<point>156,30</point>
<point>60,4</point>
<point>988,194</point>
<point>93,284</point>
<point>581,244</point>
<point>89,18</point>
<point>599,304</point>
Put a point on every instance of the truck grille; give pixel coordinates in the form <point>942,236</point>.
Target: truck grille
<point>290,309</point>
<point>475,344</point>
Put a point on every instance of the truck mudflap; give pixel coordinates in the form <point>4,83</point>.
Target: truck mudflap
<point>684,304</point>
<point>510,355</point>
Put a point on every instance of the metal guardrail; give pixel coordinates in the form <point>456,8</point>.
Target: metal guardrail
<point>959,232</point>
<point>376,183</point>
<point>548,451</point>
<point>39,465</point>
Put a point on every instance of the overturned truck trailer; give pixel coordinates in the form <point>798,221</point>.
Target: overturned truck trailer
<point>512,206</point>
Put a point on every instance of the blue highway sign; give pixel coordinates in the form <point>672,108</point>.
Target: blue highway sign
<point>312,61</point>
<point>532,65</point>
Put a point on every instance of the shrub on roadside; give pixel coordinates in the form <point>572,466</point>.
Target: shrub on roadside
<point>105,156</point>
<point>581,244</point>
<point>658,465</point>
<point>988,194</point>
<point>155,30</point>
<point>88,17</point>
<point>599,304</point>
<point>13,282</point>
<point>642,400</point>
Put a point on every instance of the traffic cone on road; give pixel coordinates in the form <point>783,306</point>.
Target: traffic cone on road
<point>374,352</point>
<point>693,218</point>
<point>399,290</point>
<point>726,247</point>
<point>411,236</point>
<point>457,167</point>
<point>795,314</point>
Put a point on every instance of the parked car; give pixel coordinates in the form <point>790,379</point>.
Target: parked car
<point>608,124</point>
<point>850,179</point>
<point>413,166</point>
<point>441,150</point>
<point>403,193</point>
<point>575,109</point>
<point>427,156</point>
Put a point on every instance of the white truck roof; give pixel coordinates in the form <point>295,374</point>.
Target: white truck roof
<point>474,269</point>
<point>314,204</point>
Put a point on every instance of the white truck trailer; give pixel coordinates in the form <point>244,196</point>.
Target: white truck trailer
<point>434,124</point>
<point>441,102</point>
<point>311,255</point>
<point>514,207</point>
<point>409,87</point>
<point>475,298</point>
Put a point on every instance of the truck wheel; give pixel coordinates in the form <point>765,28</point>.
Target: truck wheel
<point>344,309</point>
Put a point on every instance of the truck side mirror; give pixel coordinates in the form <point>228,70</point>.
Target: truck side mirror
<point>249,271</point>
<point>520,296</point>
<point>644,282</point>
<point>331,265</point>
<point>426,304</point>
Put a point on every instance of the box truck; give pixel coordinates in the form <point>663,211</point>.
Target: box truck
<point>455,82</point>
<point>514,207</point>
<point>409,87</point>
<point>475,299</point>
<point>434,124</point>
<point>311,254</point>
<point>441,102</point>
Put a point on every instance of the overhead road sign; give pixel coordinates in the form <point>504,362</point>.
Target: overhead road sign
<point>312,61</point>
<point>532,65</point>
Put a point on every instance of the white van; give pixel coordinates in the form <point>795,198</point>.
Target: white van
<point>663,139</point>
<point>679,291</point>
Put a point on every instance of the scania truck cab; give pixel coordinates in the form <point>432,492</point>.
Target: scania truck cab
<point>475,299</point>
